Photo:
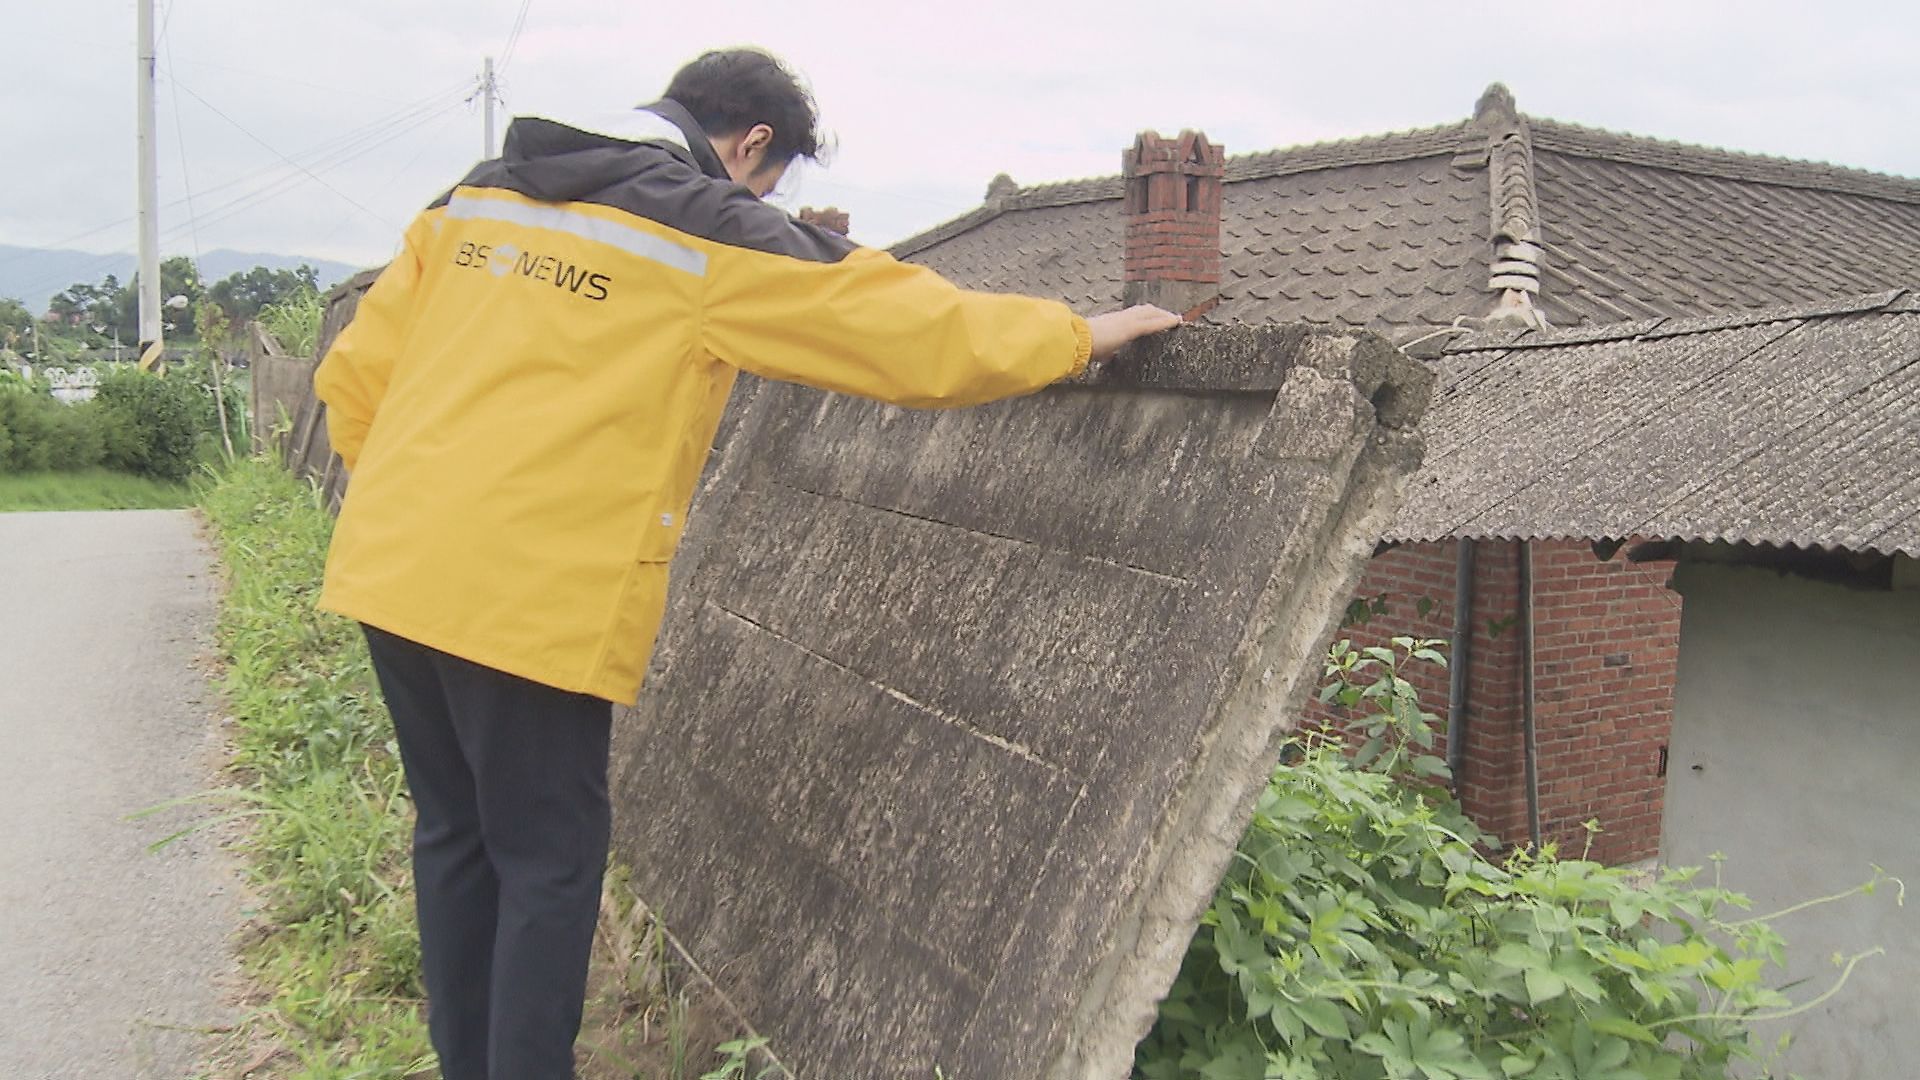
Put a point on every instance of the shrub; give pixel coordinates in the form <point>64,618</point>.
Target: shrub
<point>152,425</point>
<point>1362,933</point>
<point>73,437</point>
<point>41,433</point>
<point>21,418</point>
<point>20,430</point>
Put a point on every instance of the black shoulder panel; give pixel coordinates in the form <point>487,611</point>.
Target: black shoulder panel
<point>657,180</point>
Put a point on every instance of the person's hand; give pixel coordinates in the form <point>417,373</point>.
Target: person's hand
<point>1115,329</point>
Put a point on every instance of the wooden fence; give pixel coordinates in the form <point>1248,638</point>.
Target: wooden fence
<point>286,414</point>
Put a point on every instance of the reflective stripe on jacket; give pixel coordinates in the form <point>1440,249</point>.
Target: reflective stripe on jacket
<point>527,394</point>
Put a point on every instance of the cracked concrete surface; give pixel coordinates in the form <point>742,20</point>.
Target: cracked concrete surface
<point>956,717</point>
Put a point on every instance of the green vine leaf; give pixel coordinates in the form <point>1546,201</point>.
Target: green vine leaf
<point>1363,933</point>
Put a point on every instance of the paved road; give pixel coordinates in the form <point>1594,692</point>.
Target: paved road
<point>111,955</point>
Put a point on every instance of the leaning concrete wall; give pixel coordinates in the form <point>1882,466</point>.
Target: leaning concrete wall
<point>956,717</point>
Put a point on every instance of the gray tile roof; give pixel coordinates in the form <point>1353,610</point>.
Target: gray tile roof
<point>1791,426</point>
<point>1293,248</point>
<point>1397,233</point>
<point>1069,253</point>
<point>1631,240</point>
<point>1377,232</point>
<point>1376,245</point>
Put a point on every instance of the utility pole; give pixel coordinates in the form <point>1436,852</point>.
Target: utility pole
<point>487,92</point>
<point>151,343</point>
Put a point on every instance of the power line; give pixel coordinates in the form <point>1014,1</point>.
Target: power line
<point>180,138</point>
<point>409,163</point>
<point>275,77</point>
<point>319,153</point>
<point>242,128</point>
<point>492,82</point>
<point>274,188</point>
<point>287,183</point>
<point>513,39</point>
<point>438,122</point>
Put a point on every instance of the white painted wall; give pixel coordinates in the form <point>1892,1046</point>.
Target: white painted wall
<point>1796,752</point>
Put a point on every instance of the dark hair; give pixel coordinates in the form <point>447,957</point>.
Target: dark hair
<point>731,90</point>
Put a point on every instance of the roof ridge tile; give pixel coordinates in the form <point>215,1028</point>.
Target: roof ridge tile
<point>1513,203</point>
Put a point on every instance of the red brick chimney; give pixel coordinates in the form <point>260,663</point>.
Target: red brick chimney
<point>830,218</point>
<point>1173,221</point>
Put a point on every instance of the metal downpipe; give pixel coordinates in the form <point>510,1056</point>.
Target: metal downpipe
<point>1527,690</point>
<point>1460,662</point>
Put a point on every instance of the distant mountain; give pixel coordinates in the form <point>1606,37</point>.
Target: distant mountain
<point>215,265</point>
<point>33,275</point>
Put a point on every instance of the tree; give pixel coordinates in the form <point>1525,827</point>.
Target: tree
<point>178,277</point>
<point>97,312</point>
<point>16,323</point>
<point>241,295</point>
<point>110,308</point>
<point>68,306</point>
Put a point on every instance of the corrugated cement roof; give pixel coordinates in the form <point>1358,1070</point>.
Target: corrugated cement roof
<point>1797,426</point>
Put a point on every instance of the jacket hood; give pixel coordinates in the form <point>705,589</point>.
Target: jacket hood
<point>559,161</point>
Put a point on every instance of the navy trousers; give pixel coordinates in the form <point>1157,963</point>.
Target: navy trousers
<point>509,783</point>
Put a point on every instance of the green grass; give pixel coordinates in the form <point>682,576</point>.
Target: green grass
<point>318,787</point>
<point>317,784</point>
<point>90,489</point>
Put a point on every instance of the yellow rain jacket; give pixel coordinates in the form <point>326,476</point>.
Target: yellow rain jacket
<point>528,393</point>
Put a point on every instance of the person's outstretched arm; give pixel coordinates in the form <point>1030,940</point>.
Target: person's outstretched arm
<point>857,321</point>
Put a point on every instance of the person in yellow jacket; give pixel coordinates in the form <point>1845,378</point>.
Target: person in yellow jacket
<point>525,399</point>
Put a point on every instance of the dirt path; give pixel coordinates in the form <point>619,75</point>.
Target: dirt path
<point>114,956</point>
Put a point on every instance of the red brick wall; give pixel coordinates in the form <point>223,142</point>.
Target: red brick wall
<point>1400,578</point>
<point>1606,647</point>
<point>1606,636</point>
<point>1493,784</point>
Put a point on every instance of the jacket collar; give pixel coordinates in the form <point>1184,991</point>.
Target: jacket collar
<point>696,141</point>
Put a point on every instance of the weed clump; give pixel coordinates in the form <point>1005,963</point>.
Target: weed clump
<point>1365,930</point>
<point>320,791</point>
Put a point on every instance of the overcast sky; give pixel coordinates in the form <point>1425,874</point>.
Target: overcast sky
<point>927,101</point>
